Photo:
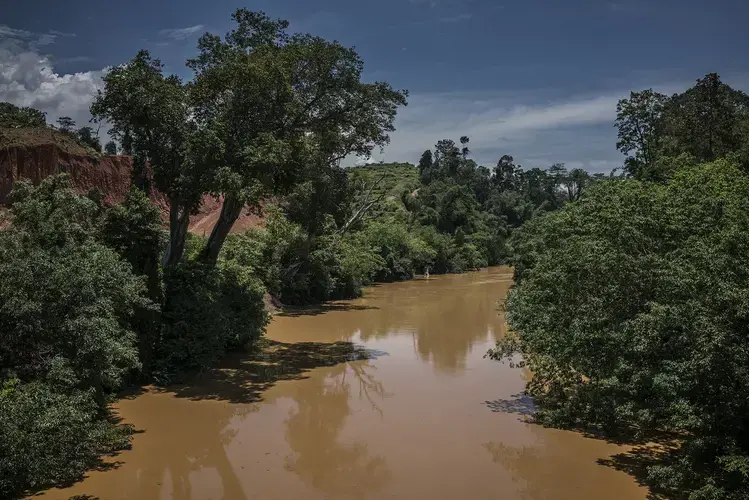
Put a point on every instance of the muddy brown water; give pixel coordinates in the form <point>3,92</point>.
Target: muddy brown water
<point>388,396</point>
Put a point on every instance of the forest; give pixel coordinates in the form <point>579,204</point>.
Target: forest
<point>630,304</point>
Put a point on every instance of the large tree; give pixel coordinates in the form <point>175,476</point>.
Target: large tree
<point>274,104</point>
<point>708,121</point>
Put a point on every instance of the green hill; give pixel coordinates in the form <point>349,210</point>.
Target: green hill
<point>392,178</point>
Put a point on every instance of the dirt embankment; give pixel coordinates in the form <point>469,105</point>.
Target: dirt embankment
<point>34,154</point>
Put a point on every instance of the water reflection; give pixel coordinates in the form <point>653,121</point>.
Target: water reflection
<point>544,469</point>
<point>445,317</point>
<point>319,414</point>
<point>313,431</point>
<point>182,441</point>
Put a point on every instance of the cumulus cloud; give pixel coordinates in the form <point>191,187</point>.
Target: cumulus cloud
<point>28,78</point>
<point>181,33</point>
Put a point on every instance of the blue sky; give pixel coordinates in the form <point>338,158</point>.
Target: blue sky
<point>537,79</point>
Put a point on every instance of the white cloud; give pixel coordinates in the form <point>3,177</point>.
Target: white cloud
<point>29,37</point>
<point>181,33</point>
<point>61,33</point>
<point>28,78</point>
<point>577,130</point>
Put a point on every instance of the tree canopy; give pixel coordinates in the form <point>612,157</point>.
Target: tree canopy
<point>708,121</point>
<point>12,116</point>
<point>264,107</point>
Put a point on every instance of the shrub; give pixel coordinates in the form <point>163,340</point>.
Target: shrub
<point>67,339</point>
<point>207,311</point>
<point>133,230</point>
<point>48,437</point>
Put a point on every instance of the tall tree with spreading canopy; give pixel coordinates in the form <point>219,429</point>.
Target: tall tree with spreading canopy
<point>270,104</point>
<point>708,121</point>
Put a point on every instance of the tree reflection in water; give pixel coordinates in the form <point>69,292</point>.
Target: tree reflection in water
<point>543,470</point>
<point>313,431</point>
<point>445,316</point>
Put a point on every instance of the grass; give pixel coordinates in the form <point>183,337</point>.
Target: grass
<point>36,137</point>
<point>396,177</point>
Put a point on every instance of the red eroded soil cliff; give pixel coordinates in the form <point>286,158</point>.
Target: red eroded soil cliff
<point>34,154</point>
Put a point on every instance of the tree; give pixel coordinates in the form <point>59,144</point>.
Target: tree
<point>110,148</point>
<point>573,182</point>
<point>640,131</point>
<point>273,104</point>
<point>505,173</point>
<point>151,117</point>
<point>447,158</point>
<point>326,192</point>
<point>66,124</point>
<point>426,166</point>
<point>12,116</point>
<point>464,140</point>
<point>67,339</point>
<point>611,313</point>
<point>708,121</point>
<point>87,137</point>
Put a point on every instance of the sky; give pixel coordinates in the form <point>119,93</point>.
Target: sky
<point>535,79</point>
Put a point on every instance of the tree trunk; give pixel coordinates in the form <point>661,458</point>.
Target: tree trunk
<point>178,224</point>
<point>230,212</point>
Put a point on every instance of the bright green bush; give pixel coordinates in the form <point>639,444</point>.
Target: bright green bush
<point>49,437</point>
<point>359,264</point>
<point>67,340</point>
<point>632,309</point>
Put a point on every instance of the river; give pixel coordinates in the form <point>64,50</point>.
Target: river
<point>388,396</point>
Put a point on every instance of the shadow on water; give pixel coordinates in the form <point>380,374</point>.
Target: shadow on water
<point>644,452</point>
<point>322,309</point>
<point>521,404</point>
<point>242,378</point>
<point>640,458</point>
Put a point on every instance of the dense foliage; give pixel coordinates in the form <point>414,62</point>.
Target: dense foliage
<point>264,111</point>
<point>342,229</point>
<point>630,305</point>
<point>93,297</point>
<point>67,304</point>
<point>708,121</point>
<point>12,116</point>
<point>85,308</point>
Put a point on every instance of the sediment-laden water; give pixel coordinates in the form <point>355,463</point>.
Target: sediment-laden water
<point>388,396</point>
